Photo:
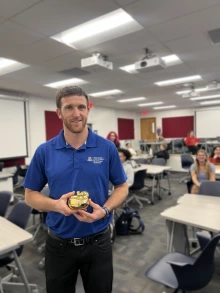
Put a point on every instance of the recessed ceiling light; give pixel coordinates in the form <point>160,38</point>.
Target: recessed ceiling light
<point>169,60</point>
<point>106,93</point>
<point>165,107</point>
<point>205,98</point>
<point>8,65</point>
<point>198,90</point>
<point>178,80</point>
<point>66,82</point>
<point>150,104</point>
<point>106,27</point>
<point>131,100</point>
<point>210,102</point>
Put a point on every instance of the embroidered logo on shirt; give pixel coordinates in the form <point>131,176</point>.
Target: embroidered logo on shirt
<point>95,160</point>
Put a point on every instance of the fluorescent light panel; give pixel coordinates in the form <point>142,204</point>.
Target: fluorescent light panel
<point>106,93</point>
<point>178,80</point>
<point>66,82</point>
<point>169,60</point>
<point>205,98</point>
<point>98,30</point>
<point>150,104</point>
<point>165,107</point>
<point>198,90</point>
<point>210,102</point>
<point>131,100</point>
<point>9,65</point>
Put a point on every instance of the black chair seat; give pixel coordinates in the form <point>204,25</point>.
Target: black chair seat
<point>162,271</point>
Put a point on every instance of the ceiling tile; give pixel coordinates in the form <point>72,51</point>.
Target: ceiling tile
<point>11,7</point>
<point>54,16</point>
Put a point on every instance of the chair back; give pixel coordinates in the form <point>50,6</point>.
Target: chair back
<point>20,214</point>
<point>1,166</point>
<point>211,188</point>
<point>139,177</point>
<point>159,162</point>
<point>186,161</point>
<point>141,161</point>
<point>178,143</point>
<point>46,191</point>
<point>5,197</point>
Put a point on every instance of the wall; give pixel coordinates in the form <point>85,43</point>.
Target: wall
<point>103,120</point>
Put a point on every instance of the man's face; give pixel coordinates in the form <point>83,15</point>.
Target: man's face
<point>74,112</point>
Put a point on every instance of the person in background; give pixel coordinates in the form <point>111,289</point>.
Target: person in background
<point>192,142</point>
<point>125,156</point>
<point>112,136</point>
<point>159,135</point>
<point>129,148</point>
<point>201,170</point>
<point>163,153</point>
<point>76,159</point>
<point>215,155</point>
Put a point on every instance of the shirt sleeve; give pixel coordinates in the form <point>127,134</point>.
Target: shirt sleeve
<point>212,168</point>
<point>116,171</point>
<point>192,168</point>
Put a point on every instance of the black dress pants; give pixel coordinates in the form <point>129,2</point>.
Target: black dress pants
<point>193,149</point>
<point>93,260</point>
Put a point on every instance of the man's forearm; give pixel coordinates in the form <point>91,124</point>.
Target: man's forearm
<point>39,201</point>
<point>117,197</point>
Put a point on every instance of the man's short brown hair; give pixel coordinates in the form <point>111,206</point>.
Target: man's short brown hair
<point>70,91</point>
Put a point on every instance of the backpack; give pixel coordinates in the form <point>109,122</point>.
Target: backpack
<point>129,222</point>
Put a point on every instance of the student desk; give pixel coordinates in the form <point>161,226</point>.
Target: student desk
<point>6,183</point>
<point>154,171</point>
<point>11,238</point>
<point>198,211</point>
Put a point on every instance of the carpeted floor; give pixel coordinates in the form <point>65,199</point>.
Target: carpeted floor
<point>132,254</point>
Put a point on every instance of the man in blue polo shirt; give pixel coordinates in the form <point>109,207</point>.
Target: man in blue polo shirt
<point>76,160</point>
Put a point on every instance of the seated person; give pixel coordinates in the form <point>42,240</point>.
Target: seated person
<point>159,135</point>
<point>163,153</point>
<point>129,148</point>
<point>215,155</point>
<point>125,156</point>
<point>192,142</point>
<point>201,170</point>
<point>112,136</point>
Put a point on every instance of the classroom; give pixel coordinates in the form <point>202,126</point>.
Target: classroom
<point>110,146</point>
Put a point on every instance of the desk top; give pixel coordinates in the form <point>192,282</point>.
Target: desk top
<point>12,236</point>
<point>142,156</point>
<point>152,169</point>
<point>197,215</point>
<point>201,200</point>
<point>4,175</point>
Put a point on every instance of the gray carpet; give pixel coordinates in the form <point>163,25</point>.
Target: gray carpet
<point>132,254</point>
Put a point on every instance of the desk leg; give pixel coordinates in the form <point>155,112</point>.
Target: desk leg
<point>23,276</point>
<point>152,194</point>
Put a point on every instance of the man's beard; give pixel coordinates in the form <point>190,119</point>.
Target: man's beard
<point>76,128</point>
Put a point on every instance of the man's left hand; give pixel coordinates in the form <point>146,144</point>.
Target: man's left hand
<point>97,214</point>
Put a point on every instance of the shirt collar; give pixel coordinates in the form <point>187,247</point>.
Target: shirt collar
<point>91,141</point>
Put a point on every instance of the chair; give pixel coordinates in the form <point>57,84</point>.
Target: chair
<point>17,180</point>
<point>186,162</point>
<point>139,178</point>
<point>1,166</point>
<point>183,272</point>
<point>5,197</point>
<point>165,174</point>
<point>211,188</point>
<point>178,146</point>
<point>19,215</point>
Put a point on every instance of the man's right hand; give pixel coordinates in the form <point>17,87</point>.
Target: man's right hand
<point>61,204</point>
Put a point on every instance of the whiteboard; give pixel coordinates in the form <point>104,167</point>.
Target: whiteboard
<point>207,123</point>
<point>13,133</point>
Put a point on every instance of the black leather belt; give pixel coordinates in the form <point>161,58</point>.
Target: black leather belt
<point>79,241</point>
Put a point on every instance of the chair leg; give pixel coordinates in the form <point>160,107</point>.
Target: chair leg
<point>177,290</point>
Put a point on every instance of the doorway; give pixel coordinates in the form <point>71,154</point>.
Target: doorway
<point>148,128</point>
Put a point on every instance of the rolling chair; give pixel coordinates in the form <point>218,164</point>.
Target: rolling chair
<point>211,188</point>
<point>5,197</point>
<point>165,174</point>
<point>186,162</point>
<point>17,180</point>
<point>19,216</point>
<point>178,146</point>
<point>183,272</point>
<point>139,184</point>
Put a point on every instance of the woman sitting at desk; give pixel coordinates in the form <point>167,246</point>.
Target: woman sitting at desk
<point>201,170</point>
<point>125,156</point>
<point>129,148</point>
<point>192,142</point>
<point>215,156</point>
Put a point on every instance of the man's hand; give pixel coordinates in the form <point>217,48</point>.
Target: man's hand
<point>97,214</point>
<point>61,204</point>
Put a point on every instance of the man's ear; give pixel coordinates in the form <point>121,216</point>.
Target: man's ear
<point>59,113</point>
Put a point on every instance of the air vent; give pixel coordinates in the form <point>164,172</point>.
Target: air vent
<point>215,36</point>
<point>74,72</point>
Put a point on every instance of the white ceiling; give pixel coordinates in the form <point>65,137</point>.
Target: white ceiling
<point>169,27</point>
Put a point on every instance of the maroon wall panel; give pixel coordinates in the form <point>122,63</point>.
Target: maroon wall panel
<point>12,162</point>
<point>177,126</point>
<point>125,128</point>
<point>53,124</point>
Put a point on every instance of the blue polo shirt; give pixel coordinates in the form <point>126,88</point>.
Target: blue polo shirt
<point>65,169</point>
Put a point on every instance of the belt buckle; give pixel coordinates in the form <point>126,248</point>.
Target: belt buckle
<point>77,241</point>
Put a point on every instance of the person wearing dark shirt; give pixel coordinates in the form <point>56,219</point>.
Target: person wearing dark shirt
<point>192,142</point>
<point>163,153</point>
<point>215,156</point>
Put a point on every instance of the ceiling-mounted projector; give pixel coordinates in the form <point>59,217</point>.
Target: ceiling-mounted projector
<point>151,64</point>
<point>191,94</point>
<point>97,60</point>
